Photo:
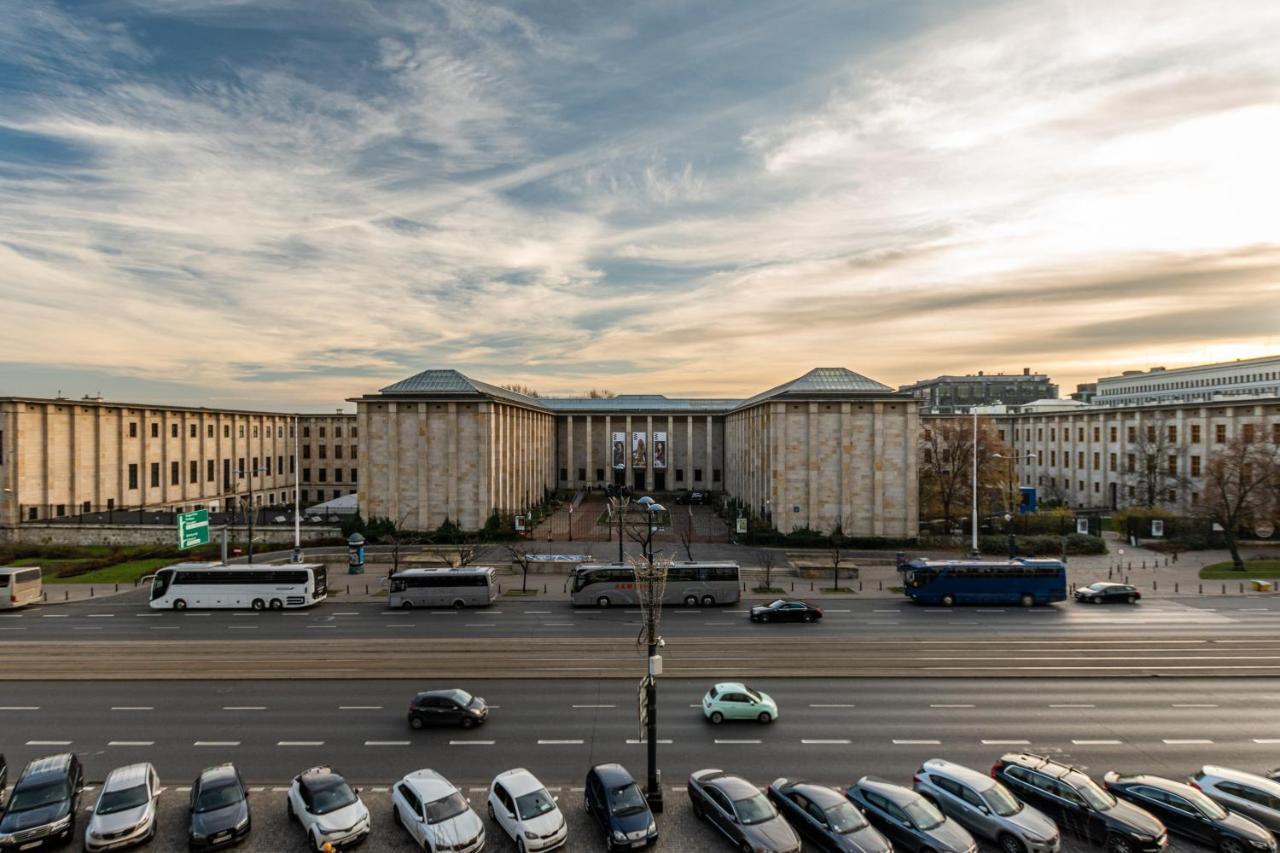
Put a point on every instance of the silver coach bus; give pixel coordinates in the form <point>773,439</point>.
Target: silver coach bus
<point>690,584</point>
<point>468,586</point>
<point>20,587</point>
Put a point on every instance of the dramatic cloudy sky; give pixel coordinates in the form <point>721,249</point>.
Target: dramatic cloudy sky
<point>288,202</point>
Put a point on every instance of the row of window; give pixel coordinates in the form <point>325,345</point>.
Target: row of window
<point>60,510</point>
<point>324,451</point>
<point>193,472</point>
<point>322,475</point>
<point>1131,491</point>
<point>1245,379</point>
<point>1131,461</point>
<point>697,475</point>
<point>337,432</point>
<point>1248,432</point>
<point>193,430</point>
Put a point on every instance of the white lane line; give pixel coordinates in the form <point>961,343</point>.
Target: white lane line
<point>593,706</point>
<point>132,708</point>
<point>54,615</point>
<point>249,615</point>
<point>48,743</point>
<point>131,743</point>
<point>244,707</point>
<point>951,706</point>
<point>386,743</point>
<point>19,707</point>
<point>1006,743</point>
<point>471,743</point>
<point>480,625</point>
<point>165,628</point>
<point>735,742</point>
<point>197,614</point>
<point>1186,741</point>
<point>101,615</point>
<point>359,707</point>
<point>299,743</point>
<point>557,624</point>
<point>917,742</point>
<point>633,741</point>
<point>216,743</point>
<point>147,615</point>
<point>242,627</point>
<point>885,611</point>
<point>393,625</point>
<point>824,742</point>
<point>536,612</point>
<point>347,613</point>
<point>1097,742</point>
<point>829,610</point>
<point>1193,705</point>
<point>814,705</point>
<point>1073,705</point>
<point>380,790</point>
<point>559,742</point>
<point>15,628</point>
<point>321,626</point>
<point>1266,740</point>
<point>86,628</point>
<point>988,610</point>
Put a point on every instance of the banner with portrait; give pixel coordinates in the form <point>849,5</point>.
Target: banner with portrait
<point>659,451</point>
<point>619,450</point>
<point>639,450</point>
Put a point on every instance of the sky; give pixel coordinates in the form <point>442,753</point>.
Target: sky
<point>285,203</point>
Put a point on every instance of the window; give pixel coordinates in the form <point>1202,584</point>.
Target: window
<point>226,430</point>
<point>306,432</point>
<point>291,465</point>
<point>1195,433</point>
<point>353,475</point>
<point>155,474</point>
<point>1173,496</point>
<point>306,451</point>
<point>1097,488</point>
<point>155,430</point>
<point>306,475</point>
<point>194,474</point>
<point>564,473</point>
<point>337,451</point>
<point>61,510</point>
<point>1079,433</point>
<point>324,475</point>
<point>679,475</point>
<point>173,430</point>
<point>1111,462</point>
<point>582,474</point>
<point>1220,433</point>
<point>337,432</point>
<point>1275,433</point>
<point>279,464</point>
<point>1131,434</point>
<point>337,475</point>
<point>133,476</point>
<point>322,432</point>
<point>715,475</point>
<point>1080,459</point>
<point>254,472</point>
<point>1053,458</point>
<point>1039,457</point>
<point>353,432</point>
<point>208,471</point>
<point>697,474</point>
<point>353,451</point>
<point>1173,434</point>
<point>1097,433</point>
<point>1173,465</point>
<point>599,474</point>
<point>324,452</point>
<point>255,432</point>
<point>1247,433</point>
<point>111,504</point>
<point>240,467</point>
<point>1112,433</point>
<point>305,495</point>
<point>210,431</point>
<point>1053,433</point>
<point>133,429</point>
<point>194,432</point>
<point>1039,433</point>
<point>1131,462</point>
<point>173,473</point>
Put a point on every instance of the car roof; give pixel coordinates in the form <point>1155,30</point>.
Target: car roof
<point>735,787</point>
<point>612,775</point>
<point>966,775</point>
<point>1171,785</point>
<point>1243,777</point>
<point>824,796</point>
<point>217,773</point>
<point>894,793</point>
<point>428,785</point>
<point>321,776</point>
<point>47,766</point>
<point>129,776</point>
<point>441,692</point>
<point>730,685</point>
<point>518,781</point>
<point>1040,763</point>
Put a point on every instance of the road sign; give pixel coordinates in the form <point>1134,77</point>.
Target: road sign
<point>642,703</point>
<point>193,528</point>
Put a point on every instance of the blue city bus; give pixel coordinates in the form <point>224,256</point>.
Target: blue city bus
<point>1018,581</point>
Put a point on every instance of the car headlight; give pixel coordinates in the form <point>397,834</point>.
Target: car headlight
<point>5,839</point>
<point>619,835</point>
<point>60,824</point>
<point>1138,836</point>
<point>197,837</point>
<point>1262,845</point>
<point>530,835</point>
<point>653,827</point>
<point>242,824</point>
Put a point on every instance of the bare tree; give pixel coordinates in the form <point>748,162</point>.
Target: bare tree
<point>1151,466</point>
<point>600,394</point>
<point>837,557</point>
<point>946,465</point>
<point>686,534</point>
<point>1241,486</point>
<point>768,559</point>
<point>520,389</point>
<point>519,555</point>
<point>463,552</point>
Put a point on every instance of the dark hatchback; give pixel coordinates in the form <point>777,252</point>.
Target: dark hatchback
<point>1189,812</point>
<point>825,818</point>
<point>908,820</point>
<point>41,811</point>
<point>219,809</point>
<point>740,812</point>
<point>447,708</point>
<point>786,610</point>
<point>1105,592</point>
<point>1070,798</point>
<point>614,799</point>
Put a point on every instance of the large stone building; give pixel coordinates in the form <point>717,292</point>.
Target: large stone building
<point>955,395</point>
<point>829,448</point>
<point>1246,377</point>
<point>62,457</point>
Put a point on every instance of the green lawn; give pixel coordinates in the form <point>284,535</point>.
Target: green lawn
<point>1252,569</point>
<point>127,572</point>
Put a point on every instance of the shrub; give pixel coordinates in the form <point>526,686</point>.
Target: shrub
<point>1043,546</point>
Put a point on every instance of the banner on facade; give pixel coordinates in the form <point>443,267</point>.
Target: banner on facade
<point>659,451</point>
<point>639,450</point>
<point>619,450</point>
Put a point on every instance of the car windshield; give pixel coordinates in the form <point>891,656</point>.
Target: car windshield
<point>774,605</point>
<point>1000,801</point>
<point>845,817</point>
<point>1087,788</point>
<point>534,804</point>
<point>27,797</point>
<point>118,801</point>
<point>626,800</point>
<point>218,797</point>
<point>332,798</point>
<point>1098,587</point>
<point>753,694</point>
<point>1207,807</point>
<point>923,815</point>
<point>754,810</point>
<point>462,697</point>
<point>446,808</point>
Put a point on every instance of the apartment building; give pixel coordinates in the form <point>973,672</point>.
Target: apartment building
<point>329,457</point>
<point>954,395</point>
<point>1247,377</point>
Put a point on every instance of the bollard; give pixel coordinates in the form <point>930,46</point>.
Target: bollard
<point>793,586</point>
<point>1144,564</point>
<point>499,588</point>
<point>366,589</point>
<point>1109,574</point>
<point>1175,586</point>
<point>882,586</point>
<point>859,586</point>
<point>91,592</point>
<point>544,589</point>
<point>117,587</point>
<point>1131,565</point>
<point>1126,580</point>
<point>1224,589</point>
<point>1155,585</point>
<point>1242,587</point>
<point>810,586</point>
<point>66,595</point>
<point>1202,589</point>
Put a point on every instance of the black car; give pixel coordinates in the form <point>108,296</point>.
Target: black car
<point>908,820</point>
<point>4,777</point>
<point>447,708</point>
<point>219,809</point>
<point>825,818</point>
<point>1189,812</point>
<point>740,812</point>
<point>786,610</point>
<point>1070,798</point>
<point>1105,592</point>
<point>694,497</point>
<point>614,799</point>
<point>42,808</point>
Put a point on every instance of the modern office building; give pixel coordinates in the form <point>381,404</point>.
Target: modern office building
<point>955,395</point>
<point>1250,377</point>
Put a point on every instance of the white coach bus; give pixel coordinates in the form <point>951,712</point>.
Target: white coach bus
<point>470,586</point>
<point>211,585</point>
<point>20,586</point>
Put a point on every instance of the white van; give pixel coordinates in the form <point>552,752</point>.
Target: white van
<point>20,586</point>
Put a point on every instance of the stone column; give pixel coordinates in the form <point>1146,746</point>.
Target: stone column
<point>591,473</point>
<point>813,461</point>
<point>569,468</point>
<point>451,498</point>
<point>669,473</point>
<point>711,462</point>
<point>393,463</point>
<point>626,453</point>
<point>877,488</point>
<point>648,459</point>
<point>422,464</point>
<point>688,458</point>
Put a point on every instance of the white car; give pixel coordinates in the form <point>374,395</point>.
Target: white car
<point>328,808</point>
<point>526,811</point>
<point>125,814</point>
<point>435,813</point>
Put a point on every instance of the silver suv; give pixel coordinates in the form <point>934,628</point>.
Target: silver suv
<point>125,814</point>
<point>1250,795</point>
<point>986,808</point>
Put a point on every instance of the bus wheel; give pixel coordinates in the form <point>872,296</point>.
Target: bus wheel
<point>948,600</point>
<point>1027,599</point>
<point>691,601</point>
<point>602,601</point>
<point>179,604</point>
<point>406,605</point>
<point>259,604</point>
<point>708,601</point>
<point>277,604</point>
<point>458,604</point>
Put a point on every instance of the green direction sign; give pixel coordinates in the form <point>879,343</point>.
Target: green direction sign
<point>193,528</point>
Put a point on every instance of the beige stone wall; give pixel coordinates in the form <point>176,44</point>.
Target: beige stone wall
<point>330,457</point>
<point>821,463</point>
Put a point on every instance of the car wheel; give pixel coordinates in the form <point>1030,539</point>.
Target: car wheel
<point>1230,845</point>
<point>764,717</point>
<point>708,601</point>
<point>1027,600</point>
<point>1132,599</point>
<point>467,722</point>
<point>602,601</point>
<point>1117,843</point>
<point>716,718</point>
<point>691,601</point>
<point>288,809</point>
<point>1011,844</point>
<point>259,604</point>
<point>406,605</point>
<point>764,617</point>
<point>277,604</point>
<point>179,604</point>
<point>395,815</point>
<point>697,810</point>
<point>948,600</point>
<point>458,604</point>
<point>415,722</point>
<point>808,617</point>
<point>746,848</point>
<point>489,806</point>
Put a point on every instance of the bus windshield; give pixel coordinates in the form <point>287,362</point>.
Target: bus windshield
<point>160,583</point>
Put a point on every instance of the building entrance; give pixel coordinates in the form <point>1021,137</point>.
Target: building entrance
<point>638,479</point>
<point>659,481</point>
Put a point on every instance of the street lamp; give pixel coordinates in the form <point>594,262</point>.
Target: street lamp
<point>654,589</point>
<point>253,509</point>
<point>1008,508</point>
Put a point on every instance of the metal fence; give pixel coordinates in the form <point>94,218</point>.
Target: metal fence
<point>266,516</point>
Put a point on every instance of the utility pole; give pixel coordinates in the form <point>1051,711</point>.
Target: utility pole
<point>974,491</point>
<point>653,594</point>
<point>297,495</point>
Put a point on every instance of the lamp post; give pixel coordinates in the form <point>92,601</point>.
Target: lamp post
<point>653,792</point>
<point>1008,509</point>
<point>253,508</point>
<point>974,491</point>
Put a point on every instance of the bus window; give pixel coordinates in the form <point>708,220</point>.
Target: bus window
<point>160,583</point>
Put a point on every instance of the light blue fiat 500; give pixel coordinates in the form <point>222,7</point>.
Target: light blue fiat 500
<point>734,701</point>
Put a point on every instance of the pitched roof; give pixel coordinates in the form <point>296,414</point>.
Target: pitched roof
<point>448,381</point>
<point>823,381</point>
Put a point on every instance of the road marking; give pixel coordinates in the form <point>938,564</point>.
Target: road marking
<point>951,706</point>
<point>593,706</point>
<point>197,614</point>
<point>242,627</point>
<point>828,610</point>
<point>1266,740</point>
<point>633,741</point>
<point>347,613</point>
<point>359,707</point>
<point>321,626</point>
<point>895,610</point>
<point>480,625</point>
<point>393,625</point>
<point>536,612</point>
<point>1069,705</point>
<point>131,743</point>
<point>101,615</point>
<point>1193,705</point>
<point>471,743</point>
<point>1186,741</point>
<point>165,628</point>
<point>557,624</point>
<point>816,741</point>
<point>386,743</point>
<point>250,615</point>
<point>132,708</point>
<point>813,705</point>
<point>724,741</point>
<point>216,743</point>
<point>1097,742</point>
<point>147,615</point>
<point>299,743</point>
<point>48,743</point>
<point>244,707</point>
<point>54,615</point>
<point>19,707</point>
<point>1006,743</point>
<point>87,628</point>
<point>559,742</point>
<point>917,742</point>
<point>982,610</point>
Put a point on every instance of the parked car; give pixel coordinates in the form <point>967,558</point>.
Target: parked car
<point>42,806</point>
<point>786,610</point>
<point>731,700</point>
<point>742,814</point>
<point>1189,812</point>
<point>825,818</point>
<point>909,821</point>
<point>1076,803</point>
<point>986,808</point>
<point>1105,592</point>
<point>327,808</point>
<point>1247,793</point>
<point>614,799</point>
<point>219,809</point>
<point>526,811</point>
<point>436,814</point>
<point>447,708</point>
<point>694,497</point>
<point>125,814</point>
<point>4,778</point>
